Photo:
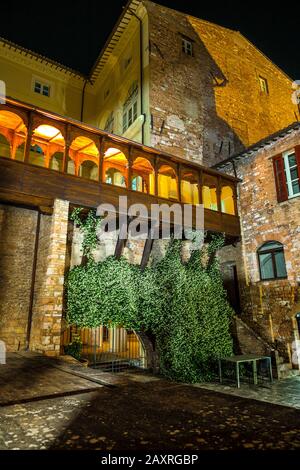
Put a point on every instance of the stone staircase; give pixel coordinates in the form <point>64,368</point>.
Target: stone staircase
<point>247,341</point>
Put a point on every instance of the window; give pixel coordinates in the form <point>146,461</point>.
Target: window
<point>109,125</point>
<point>287,174</point>
<point>264,87</point>
<point>41,88</point>
<point>130,108</point>
<point>271,261</point>
<point>291,173</point>
<point>187,47</point>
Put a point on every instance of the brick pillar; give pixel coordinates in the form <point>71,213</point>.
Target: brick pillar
<point>49,281</point>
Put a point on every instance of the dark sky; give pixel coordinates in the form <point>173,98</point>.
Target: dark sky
<point>73,33</point>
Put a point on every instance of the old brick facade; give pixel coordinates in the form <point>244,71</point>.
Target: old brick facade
<point>269,307</point>
<point>210,105</point>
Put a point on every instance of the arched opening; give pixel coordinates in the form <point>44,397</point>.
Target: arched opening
<point>209,192</point>
<point>56,161</point>
<point>115,168</point>
<point>167,182</point>
<point>227,201</point>
<point>189,187</point>
<point>109,348</point>
<point>13,134</point>
<point>46,141</point>
<point>5,149</point>
<point>71,166</point>
<point>20,152</point>
<point>271,261</point>
<point>36,155</point>
<point>85,157</point>
<point>89,170</point>
<point>143,176</point>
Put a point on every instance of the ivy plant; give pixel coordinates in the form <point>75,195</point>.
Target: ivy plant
<point>184,305</point>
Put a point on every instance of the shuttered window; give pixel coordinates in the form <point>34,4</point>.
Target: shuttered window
<point>287,174</point>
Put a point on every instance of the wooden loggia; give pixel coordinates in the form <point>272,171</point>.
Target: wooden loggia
<point>23,183</point>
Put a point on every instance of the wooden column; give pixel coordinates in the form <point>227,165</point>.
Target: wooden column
<point>129,170</point>
<point>200,186</point>
<point>101,177</point>
<point>179,167</point>
<point>235,200</point>
<point>156,166</point>
<point>66,152</point>
<point>29,137</point>
<point>219,189</point>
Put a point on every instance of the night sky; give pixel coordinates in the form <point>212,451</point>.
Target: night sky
<point>73,33</point>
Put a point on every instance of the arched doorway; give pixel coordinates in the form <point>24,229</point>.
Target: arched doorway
<point>110,349</point>
<point>13,134</point>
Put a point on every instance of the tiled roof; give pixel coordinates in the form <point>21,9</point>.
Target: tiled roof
<point>259,145</point>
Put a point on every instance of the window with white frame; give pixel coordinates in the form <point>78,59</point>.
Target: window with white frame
<point>41,88</point>
<point>109,125</point>
<point>187,46</point>
<point>291,173</point>
<point>130,107</point>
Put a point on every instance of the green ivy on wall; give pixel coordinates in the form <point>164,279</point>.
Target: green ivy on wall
<point>183,305</point>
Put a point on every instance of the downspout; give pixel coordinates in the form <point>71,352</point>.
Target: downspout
<point>82,99</point>
<point>141,72</point>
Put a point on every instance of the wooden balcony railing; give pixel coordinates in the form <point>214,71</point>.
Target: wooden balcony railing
<point>44,156</point>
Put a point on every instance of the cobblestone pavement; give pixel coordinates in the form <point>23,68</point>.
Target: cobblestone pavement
<point>140,413</point>
<point>281,392</point>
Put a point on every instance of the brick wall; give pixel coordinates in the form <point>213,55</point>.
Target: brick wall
<point>269,307</point>
<point>209,106</point>
<point>17,239</point>
<point>49,283</point>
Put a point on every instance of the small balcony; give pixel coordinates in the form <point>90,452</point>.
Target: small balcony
<point>44,156</point>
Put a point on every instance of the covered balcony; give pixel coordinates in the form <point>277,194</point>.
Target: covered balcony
<point>44,156</point>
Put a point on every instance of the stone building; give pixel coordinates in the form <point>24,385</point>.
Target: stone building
<point>262,272</point>
<point>168,93</point>
<point>166,79</point>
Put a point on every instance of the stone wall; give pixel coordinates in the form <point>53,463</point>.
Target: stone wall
<point>49,282</point>
<point>17,240</point>
<point>209,106</point>
<point>268,306</point>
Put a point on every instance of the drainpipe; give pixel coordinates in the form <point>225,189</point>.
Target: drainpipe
<point>141,72</point>
<point>82,98</point>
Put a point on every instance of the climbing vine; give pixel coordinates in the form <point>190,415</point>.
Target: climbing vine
<point>183,305</point>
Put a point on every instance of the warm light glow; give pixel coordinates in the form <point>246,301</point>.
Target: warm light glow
<point>167,182</point>
<point>143,176</point>
<point>189,188</point>
<point>115,167</point>
<point>84,145</point>
<point>227,202</point>
<point>209,196</point>
<point>10,120</point>
<point>49,133</point>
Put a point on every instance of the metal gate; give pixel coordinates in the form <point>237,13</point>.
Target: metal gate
<point>111,349</point>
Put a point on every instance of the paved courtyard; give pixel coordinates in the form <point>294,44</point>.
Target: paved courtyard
<point>48,404</point>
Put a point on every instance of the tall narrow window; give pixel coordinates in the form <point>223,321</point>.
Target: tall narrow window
<point>291,173</point>
<point>271,261</point>
<point>130,108</point>
<point>109,125</point>
<point>287,174</point>
<point>264,87</point>
<point>187,47</point>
